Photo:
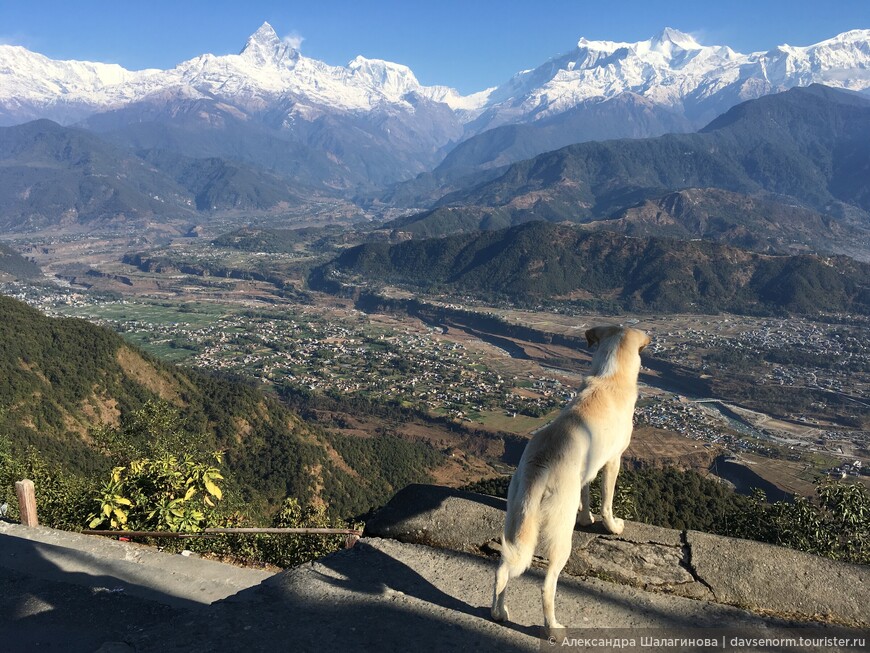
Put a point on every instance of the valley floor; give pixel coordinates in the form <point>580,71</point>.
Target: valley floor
<point>788,393</point>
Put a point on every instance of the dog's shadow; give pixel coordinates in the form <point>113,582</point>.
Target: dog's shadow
<point>381,574</point>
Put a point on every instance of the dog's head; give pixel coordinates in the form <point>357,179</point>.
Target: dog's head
<point>631,337</point>
<point>618,350</point>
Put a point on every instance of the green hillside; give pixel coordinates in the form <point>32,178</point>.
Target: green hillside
<point>540,261</point>
<point>217,183</point>
<point>62,378</point>
<point>778,162</point>
<point>16,266</point>
<point>807,143</point>
<point>761,222</point>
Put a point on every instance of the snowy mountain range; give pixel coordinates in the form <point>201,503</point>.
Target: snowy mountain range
<point>371,122</point>
<point>266,69</point>
<point>673,70</point>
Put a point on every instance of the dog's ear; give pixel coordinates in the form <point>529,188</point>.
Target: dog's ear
<point>644,343</point>
<point>597,334</point>
<point>592,336</point>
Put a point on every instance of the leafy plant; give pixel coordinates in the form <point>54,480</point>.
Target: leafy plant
<point>836,525</point>
<point>168,493</point>
<point>163,484</point>
<point>290,550</point>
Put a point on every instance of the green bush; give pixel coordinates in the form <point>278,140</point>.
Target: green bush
<point>289,550</point>
<point>164,482</point>
<point>167,493</point>
<point>836,525</point>
<point>61,498</point>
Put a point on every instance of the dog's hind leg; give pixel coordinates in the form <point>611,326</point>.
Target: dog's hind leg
<point>586,518</point>
<point>608,488</point>
<point>558,552</point>
<point>502,576</point>
<point>515,559</point>
<point>522,525</point>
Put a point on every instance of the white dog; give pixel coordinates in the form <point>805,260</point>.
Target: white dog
<point>552,479</point>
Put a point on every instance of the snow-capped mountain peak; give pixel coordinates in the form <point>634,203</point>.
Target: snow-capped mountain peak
<point>671,38</point>
<point>268,69</point>
<point>265,36</point>
<point>666,42</point>
<point>264,47</point>
<point>392,79</point>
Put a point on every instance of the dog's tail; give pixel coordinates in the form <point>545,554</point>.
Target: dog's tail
<point>522,526</point>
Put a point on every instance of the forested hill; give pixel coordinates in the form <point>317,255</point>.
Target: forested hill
<point>15,265</point>
<point>808,143</point>
<point>537,261</point>
<point>61,378</point>
<point>806,148</point>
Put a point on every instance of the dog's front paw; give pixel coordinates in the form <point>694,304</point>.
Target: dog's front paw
<point>554,629</point>
<point>615,525</point>
<point>586,519</point>
<point>500,614</point>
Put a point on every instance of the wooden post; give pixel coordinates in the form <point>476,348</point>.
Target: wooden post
<point>350,540</point>
<point>26,502</point>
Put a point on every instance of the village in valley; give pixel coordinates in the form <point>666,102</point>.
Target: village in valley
<point>324,344</point>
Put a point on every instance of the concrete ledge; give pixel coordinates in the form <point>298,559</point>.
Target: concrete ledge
<point>751,575</point>
<point>441,517</point>
<point>386,596</point>
<point>134,569</point>
<point>59,591</point>
<point>746,573</point>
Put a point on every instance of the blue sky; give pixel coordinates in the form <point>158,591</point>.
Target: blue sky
<point>468,44</point>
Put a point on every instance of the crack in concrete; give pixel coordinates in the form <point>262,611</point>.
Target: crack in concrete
<point>616,538</point>
<point>695,577</point>
<point>493,547</point>
<point>686,562</point>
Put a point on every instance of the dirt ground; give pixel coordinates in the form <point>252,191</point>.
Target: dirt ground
<point>652,447</point>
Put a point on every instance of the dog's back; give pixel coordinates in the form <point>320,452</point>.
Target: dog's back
<point>565,456</point>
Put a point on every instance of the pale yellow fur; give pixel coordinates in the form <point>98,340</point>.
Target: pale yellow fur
<point>552,479</point>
